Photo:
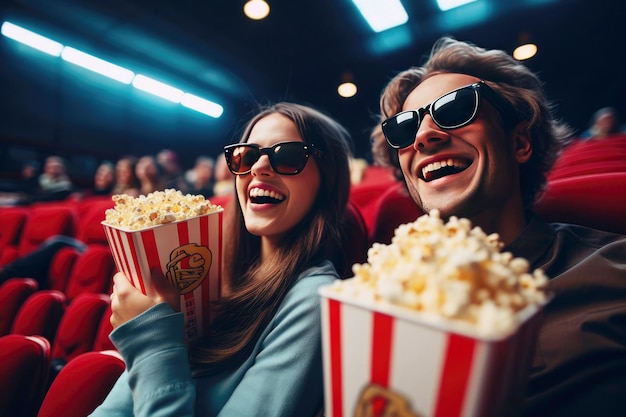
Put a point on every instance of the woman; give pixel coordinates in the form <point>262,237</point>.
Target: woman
<point>126,179</point>
<point>150,175</point>
<point>261,356</point>
<point>104,179</point>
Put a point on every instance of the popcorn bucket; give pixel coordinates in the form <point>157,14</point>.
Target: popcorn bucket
<point>387,361</point>
<point>189,253</point>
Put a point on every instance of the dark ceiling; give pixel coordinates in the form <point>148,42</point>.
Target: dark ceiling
<point>300,53</point>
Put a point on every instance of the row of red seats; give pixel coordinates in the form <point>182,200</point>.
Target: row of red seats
<point>589,157</point>
<point>78,389</point>
<point>43,330</point>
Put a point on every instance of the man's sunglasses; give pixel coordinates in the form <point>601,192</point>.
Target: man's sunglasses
<point>455,109</point>
<point>286,158</point>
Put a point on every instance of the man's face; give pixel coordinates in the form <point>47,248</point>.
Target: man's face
<point>468,171</point>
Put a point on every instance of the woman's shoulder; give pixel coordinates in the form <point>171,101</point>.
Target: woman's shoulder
<point>322,273</point>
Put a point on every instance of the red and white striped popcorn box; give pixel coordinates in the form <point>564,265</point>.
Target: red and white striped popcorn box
<point>384,360</point>
<point>189,253</point>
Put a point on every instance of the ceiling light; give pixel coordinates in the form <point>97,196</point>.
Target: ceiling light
<point>382,15</point>
<point>157,88</point>
<point>525,51</point>
<point>201,105</point>
<point>256,9</point>
<point>347,89</point>
<point>31,39</point>
<point>98,65</point>
<point>451,4</point>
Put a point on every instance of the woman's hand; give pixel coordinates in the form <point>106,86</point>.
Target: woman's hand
<point>127,302</point>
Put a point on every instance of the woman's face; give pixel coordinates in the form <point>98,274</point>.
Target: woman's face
<point>123,171</point>
<point>272,204</point>
<point>105,177</point>
<point>146,168</point>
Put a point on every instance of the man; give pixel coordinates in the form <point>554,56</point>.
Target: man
<point>474,136</point>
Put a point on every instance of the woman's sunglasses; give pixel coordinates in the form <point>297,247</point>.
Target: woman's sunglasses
<point>455,109</point>
<point>286,158</point>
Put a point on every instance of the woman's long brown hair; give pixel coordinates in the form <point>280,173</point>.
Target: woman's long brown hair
<point>257,289</point>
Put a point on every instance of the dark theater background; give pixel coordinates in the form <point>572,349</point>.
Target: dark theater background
<point>301,52</point>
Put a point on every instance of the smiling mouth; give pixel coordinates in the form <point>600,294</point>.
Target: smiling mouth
<point>260,196</point>
<point>443,168</point>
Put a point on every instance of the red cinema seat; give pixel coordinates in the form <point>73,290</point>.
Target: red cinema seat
<point>24,367</point>
<point>78,328</point>
<point>13,294</point>
<point>61,268</point>
<point>90,231</point>
<point>104,330</point>
<point>44,221</point>
<point>597,201</point>
<point>366,196</point>
<point>90,217</point>
<point>82,385</point>
<point>40,315</point>
<point>92,272</point>
<point>13,219</point>
<point>393,208</point>
<point>354,241</point>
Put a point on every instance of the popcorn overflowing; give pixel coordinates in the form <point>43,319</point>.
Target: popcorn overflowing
<point>159,207</point>
<point>451,270</point>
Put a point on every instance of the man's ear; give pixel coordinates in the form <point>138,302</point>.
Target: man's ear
<point>522,143</point>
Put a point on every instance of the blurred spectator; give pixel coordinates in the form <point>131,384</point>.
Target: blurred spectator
<point>104,180</point>
<point>605,122</point>
<point>150,175</point>
<point>36,264</point>
<point>29,181</point>
<point>53,183</point>
<point>224,179</point>
<point>173,173</point>
<point>200,180</point>
<point>126,181</point>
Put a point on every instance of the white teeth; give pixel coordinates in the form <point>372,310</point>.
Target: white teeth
<point>258,192</point>
<point>442,164</point>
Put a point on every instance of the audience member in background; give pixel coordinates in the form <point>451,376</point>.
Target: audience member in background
<point>283,232</point>
<point>488,114</point>
<point>29,180</point>
<point>126,181</point>
<point>200,180</point>
<point>224,179</point>
<point>104,180</point>
<point>173,173</point>
<point>54,184</point>
<point>37,263</point>
<point>150,175</point>
<point>605,122</point>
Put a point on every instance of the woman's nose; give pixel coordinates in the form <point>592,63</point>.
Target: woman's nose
<point>262,166</point>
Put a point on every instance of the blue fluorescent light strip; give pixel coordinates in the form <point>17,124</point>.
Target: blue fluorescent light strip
<point>157,88</point>
<point>31,39</point>
<point>98,65</point>
<point>110,70</point>
<point>201,105</point>
<point>382,15</point>
<point>451,4</point>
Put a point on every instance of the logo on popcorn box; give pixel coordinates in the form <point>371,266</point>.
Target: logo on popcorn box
<point>378,401</point>
<point>188,267</point>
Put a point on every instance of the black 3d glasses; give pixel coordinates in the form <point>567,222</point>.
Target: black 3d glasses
<point>286,158</point>
<point>452,110</point>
